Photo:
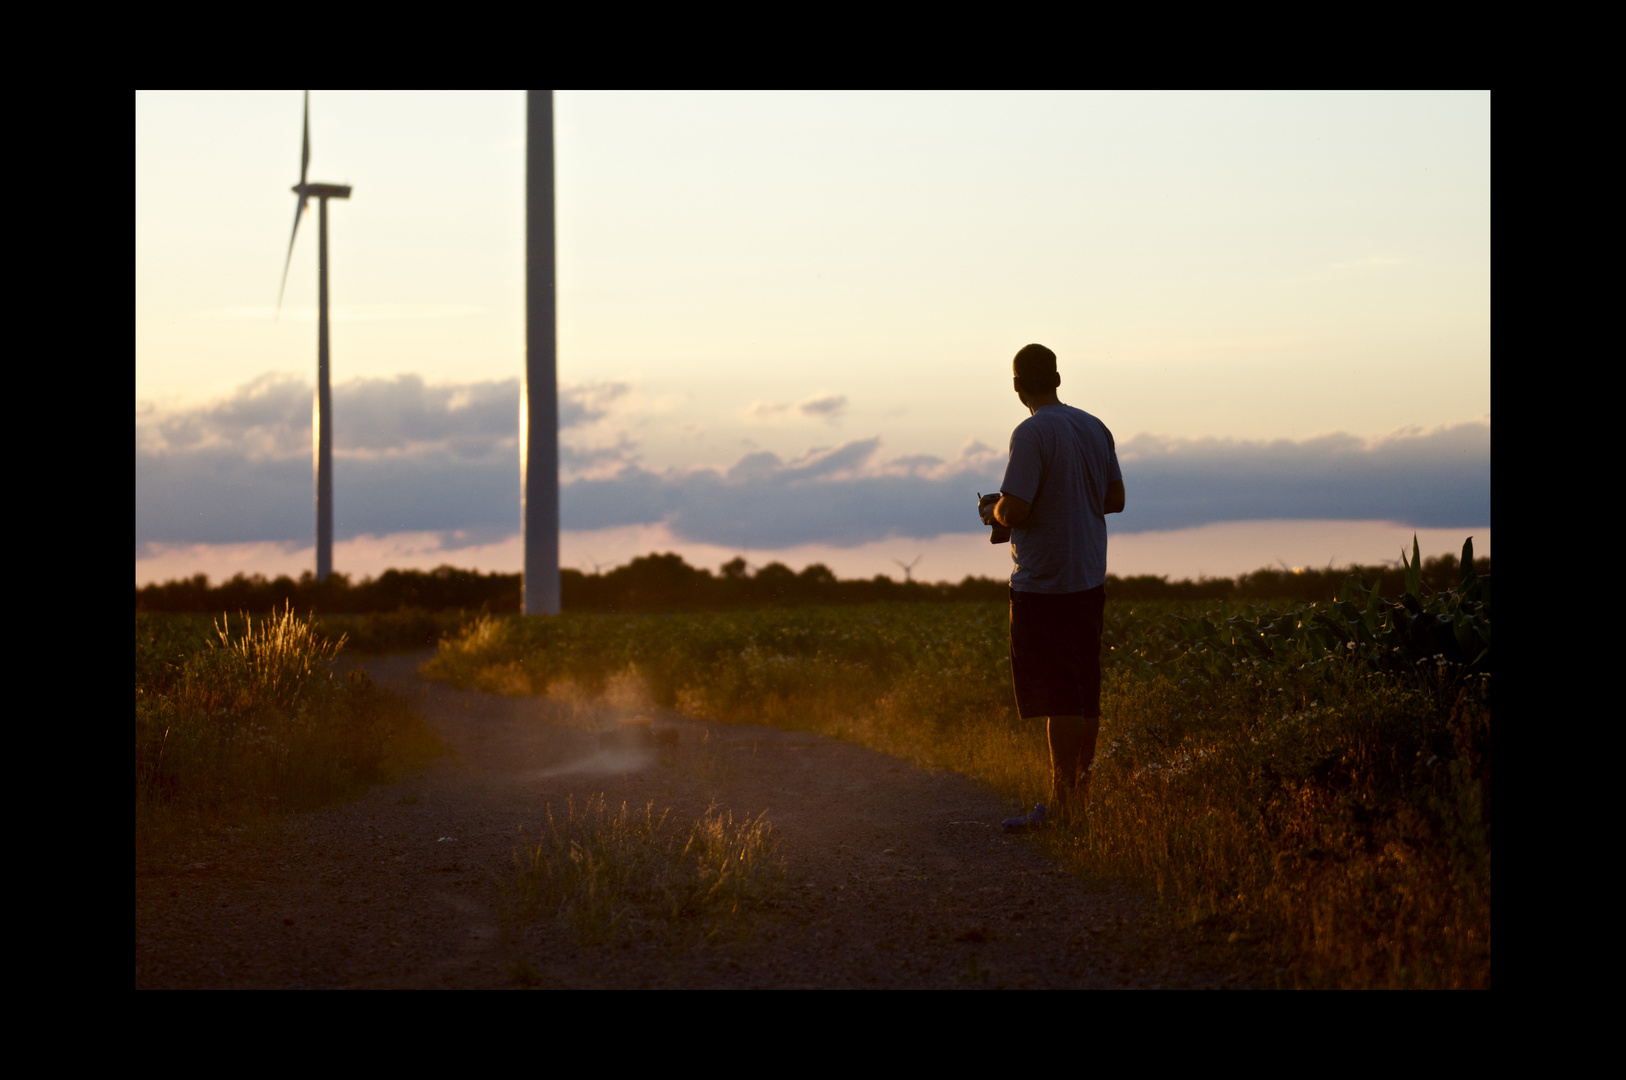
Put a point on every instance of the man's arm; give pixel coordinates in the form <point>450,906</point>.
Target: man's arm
<point>1011,511</point>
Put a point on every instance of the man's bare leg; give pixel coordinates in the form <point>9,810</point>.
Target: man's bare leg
<point>1072,752</point>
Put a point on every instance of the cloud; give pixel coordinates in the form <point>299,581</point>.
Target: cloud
<point>403,414</point>
<point>1437,479</point>
<point>841,495</point>
<point>218,495</point>
<point>407,455</point>
<point>587,403</point>
<point>576,462</point>
<point>414,457</point>
<point>827,407</point>
<point>850,494</point>
<point>766,411</point>
<point>268,417</point>
<point>271,417</point>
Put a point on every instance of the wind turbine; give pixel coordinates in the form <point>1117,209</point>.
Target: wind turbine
<point>908,568</point>
<point>322,409</point>
<point>539,397</point>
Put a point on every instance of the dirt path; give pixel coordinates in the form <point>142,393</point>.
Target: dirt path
<point>900,876</point>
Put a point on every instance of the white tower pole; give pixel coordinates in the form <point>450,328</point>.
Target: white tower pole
<point>539,397</point>
<point>324,414</point>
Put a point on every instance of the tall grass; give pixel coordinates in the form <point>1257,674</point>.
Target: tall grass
<point>1342,822</point>
<point>609,873</point>
<point>253,719</point>
<point>1335,819</point>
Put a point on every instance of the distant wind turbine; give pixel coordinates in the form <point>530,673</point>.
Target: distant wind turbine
<point>322,411</point>
<point>908,568</point>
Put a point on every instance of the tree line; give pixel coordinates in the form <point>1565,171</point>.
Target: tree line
<point>667,583</point>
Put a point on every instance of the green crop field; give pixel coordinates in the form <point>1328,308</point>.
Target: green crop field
<point>1306,781</point>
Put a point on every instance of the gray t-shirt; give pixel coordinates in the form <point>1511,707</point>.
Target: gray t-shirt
<point>1062,460</point>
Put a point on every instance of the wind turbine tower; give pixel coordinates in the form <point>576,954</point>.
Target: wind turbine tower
<point>322,409</point>
<point>539,398</point>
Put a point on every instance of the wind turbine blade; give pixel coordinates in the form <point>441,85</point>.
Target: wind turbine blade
<point>305,152</point>
<point>299,212</point>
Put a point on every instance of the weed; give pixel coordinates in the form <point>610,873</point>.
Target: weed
<point>252,719</point>
<point>612,873</point>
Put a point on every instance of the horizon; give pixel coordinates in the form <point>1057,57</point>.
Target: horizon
<point>1481,548</point>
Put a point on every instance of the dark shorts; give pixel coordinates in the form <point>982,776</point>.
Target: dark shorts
<point>1056,652</point>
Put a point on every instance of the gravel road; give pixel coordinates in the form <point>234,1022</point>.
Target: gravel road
<point>900,876</point>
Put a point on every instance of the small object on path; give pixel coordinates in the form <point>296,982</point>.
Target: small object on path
<point>1026,821</point>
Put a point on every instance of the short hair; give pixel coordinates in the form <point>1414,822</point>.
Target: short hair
<point>1035,365</point>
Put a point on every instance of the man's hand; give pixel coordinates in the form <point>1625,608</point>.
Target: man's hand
<point>1115,498</point>
<point>985,510</point>
<point>1011,511</point>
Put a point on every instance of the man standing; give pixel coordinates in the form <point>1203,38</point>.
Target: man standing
<point>1062,479</point>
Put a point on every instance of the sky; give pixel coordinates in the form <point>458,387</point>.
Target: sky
<point>786,323</point>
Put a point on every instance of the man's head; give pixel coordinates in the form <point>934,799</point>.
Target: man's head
<point>1035,371</point>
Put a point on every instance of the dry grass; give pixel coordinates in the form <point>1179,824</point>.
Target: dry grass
<point>1330,836</point>
<point>618,873</point>
<point>255,721</point>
